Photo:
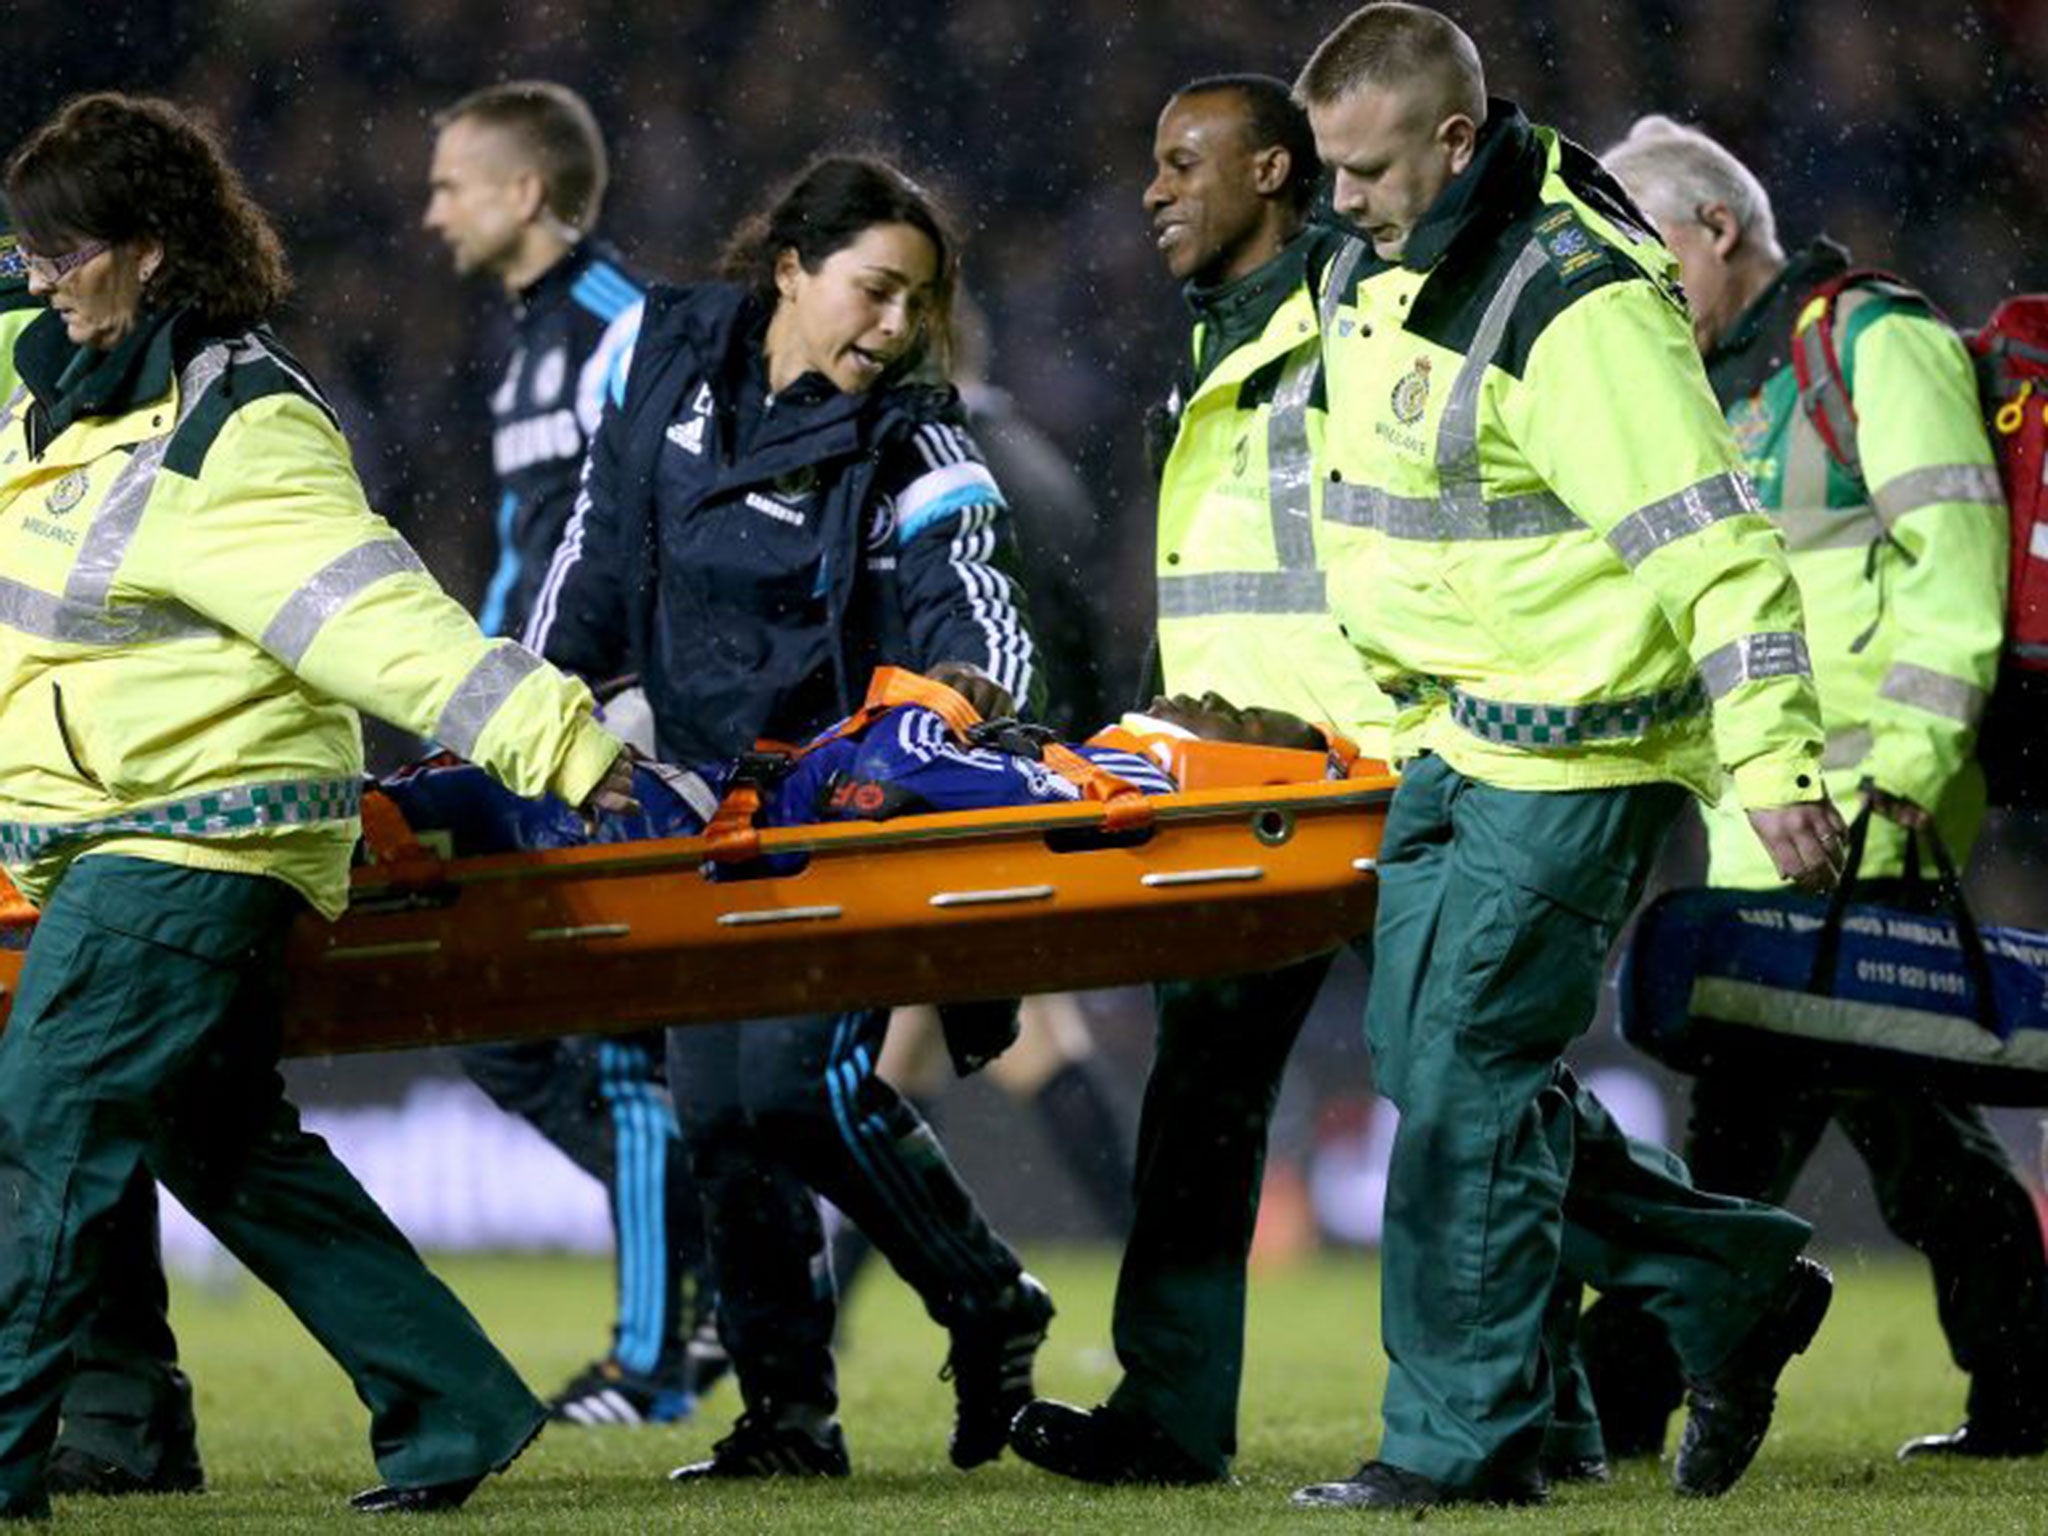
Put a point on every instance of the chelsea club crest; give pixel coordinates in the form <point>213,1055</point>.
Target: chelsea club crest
<point>1411,393</point>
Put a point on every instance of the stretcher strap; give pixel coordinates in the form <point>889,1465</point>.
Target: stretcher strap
<point>731,836</point>
<point>1124,806</point>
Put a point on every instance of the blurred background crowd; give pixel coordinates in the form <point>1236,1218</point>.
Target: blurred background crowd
<point>1917,134</point>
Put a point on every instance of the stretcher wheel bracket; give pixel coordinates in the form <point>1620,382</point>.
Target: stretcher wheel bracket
<point>381,951</point>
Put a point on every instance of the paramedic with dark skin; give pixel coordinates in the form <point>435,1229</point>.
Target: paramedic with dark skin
<point>1551,561</point>
<point>1243,618</point>
<point>1902,568</point>
<point>771,509</point>
<point>196,589</point>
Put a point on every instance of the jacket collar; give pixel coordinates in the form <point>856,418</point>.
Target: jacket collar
<point>1504,181</point>
<point>553,285</point>
<point>1759,342</point>
<point>1807,270</point>
<point>1249,300</point>
<point>1232,313</point>
<point>71,383</point>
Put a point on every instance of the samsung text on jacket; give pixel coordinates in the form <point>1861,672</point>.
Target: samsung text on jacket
<point>518,444</point>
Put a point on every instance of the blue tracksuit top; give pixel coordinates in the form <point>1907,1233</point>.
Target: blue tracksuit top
<point>565,337</point>
<point>754,558</point>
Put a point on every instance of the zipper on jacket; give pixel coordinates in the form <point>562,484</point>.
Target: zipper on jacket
<point>1873,570</point>
<point>71,750</point>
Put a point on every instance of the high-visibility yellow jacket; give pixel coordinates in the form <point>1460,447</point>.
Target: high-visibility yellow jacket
<point>17,311</point>
<point>1901,567</point>
<point>194,600</point>
<point>1242,607</point>
<point>1551,559</point>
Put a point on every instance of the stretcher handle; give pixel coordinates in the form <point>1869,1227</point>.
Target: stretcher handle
<point>1949,891</point>
<point>401,857</point>
<point>16,911</point>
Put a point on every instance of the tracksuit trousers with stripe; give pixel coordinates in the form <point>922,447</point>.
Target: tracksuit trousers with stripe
<point>776,1110</point>
<point>601,1100</point>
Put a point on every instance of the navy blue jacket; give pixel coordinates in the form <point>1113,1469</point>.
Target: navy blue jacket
<point>564,341</point>
<point>753,559</point>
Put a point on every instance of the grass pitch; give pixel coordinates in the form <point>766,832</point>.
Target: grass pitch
<point>285,1443</point>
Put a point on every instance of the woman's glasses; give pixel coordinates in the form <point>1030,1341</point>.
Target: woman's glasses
<point>54,269</point>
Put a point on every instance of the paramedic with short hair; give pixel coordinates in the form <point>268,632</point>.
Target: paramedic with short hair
<point>1551,562</point>
<point>1901,564</point>
<point>517,182</point>
<point>1242,615</point>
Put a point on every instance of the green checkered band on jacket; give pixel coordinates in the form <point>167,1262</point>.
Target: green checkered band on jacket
<point>1567,725</point>
<point>221,813</point>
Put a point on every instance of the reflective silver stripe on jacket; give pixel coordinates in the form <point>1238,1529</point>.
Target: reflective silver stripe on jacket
<point>13,407</point>
<point>1918,488</point>
<point>329,590</point>
<point>1811,526</point>
<point>1775,653</point>
<point>216,813</point>
<point>120,514</point>
<point>1846,748</point>
<point>1935,692</point>
<point>83,615</point>
<point>1540,726</point>
<point>1208,594</point>
<point>1289,468</point>
<point>1457,438</point>
<point>481,695</point>
<point>59,618</point>
<point>1529,516</point>
<point>1337,277</point>
<point>1648,529</point>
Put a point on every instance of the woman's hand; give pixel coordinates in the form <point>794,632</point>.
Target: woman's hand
<point>991,700</point>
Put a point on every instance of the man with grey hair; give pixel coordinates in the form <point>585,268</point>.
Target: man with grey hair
<point>1899,546</point>
<point>515,188</point>
<point>1542,547</point>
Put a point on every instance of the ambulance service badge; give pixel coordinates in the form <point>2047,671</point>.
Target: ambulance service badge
<point>66,493</point>
<point>1411,393</point>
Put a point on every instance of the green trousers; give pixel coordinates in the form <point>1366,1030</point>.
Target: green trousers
<point>1497,910</point>
<point>145,1035</point>
<point>1220,1051</point>
<point>126,1401</point>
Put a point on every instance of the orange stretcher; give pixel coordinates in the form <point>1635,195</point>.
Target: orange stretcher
<point>1265,861</point>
